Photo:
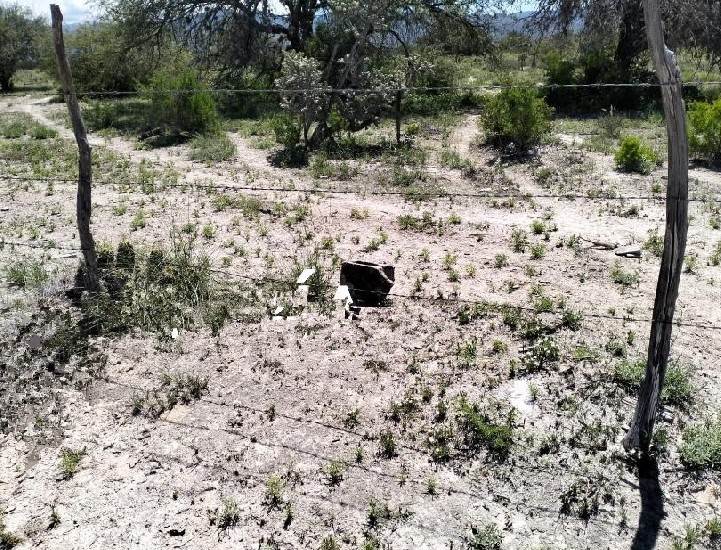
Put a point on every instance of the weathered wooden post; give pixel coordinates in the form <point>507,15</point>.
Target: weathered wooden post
<point>641,431</point>
<point>83,204</point>
<point>397,108</point>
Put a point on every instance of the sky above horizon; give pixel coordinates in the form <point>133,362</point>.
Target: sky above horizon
<point>74,11</point>
<point>77,11</point>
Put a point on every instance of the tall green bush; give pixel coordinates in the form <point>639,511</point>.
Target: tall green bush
<point>516,116</point>
<point>181,102</point>
<point>704,131</point>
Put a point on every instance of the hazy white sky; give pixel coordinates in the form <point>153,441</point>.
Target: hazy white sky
<point>73,10</point>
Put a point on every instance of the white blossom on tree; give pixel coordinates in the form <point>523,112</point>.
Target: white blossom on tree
<point>303,90</point>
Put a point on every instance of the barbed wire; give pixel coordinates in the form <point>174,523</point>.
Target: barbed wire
<point>388,89</point>
<point>485,305</point>
<point>364,191</point>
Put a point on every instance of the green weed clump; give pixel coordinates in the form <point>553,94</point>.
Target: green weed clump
<point>487,537</point>
<point>479,430</point>
<point>635,155</point>
<point>215,147</point>
<point>26,273</point>
<point>701,445</point>
<point>518,117</point>
<point>161,290</point>
<point>704,133</point>
<point>677,387</point>
<point>8,540</point>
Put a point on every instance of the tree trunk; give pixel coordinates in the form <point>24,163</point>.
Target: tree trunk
<point>631,39</point>
<point>641,431</point>
<point>399,115</point>
<point>84,203</point>
<point>6,82</point>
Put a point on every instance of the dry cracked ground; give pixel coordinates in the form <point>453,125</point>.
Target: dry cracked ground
<point>482,406</point>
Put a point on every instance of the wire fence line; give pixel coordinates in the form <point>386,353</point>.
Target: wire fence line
<point>400,479</point>
<point>390,89</point>
<point>490,306</point>
<point>374,192</point>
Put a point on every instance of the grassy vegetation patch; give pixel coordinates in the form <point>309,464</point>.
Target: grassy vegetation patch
<point>215,147</point>
<point>18,125</point>
<point>701,445</point>
<point>677,387</point>
<point>26,273</point>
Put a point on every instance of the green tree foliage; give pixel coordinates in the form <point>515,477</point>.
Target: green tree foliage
<point>102,61</point>
<point>594,66</point>
<point>705,130</point>
<point>516,116</point>
<point>21,37</point>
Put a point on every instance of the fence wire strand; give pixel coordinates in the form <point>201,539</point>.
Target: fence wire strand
<point>364,191</point>
<point>388,89</point>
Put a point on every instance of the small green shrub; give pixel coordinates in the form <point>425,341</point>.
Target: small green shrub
<point>229,515</point>
<point>329,543</point>
<point>479,430</point>
<point>542,354</point>
<point>487,537</point>
<point>583,498</point>
<point>635,155</point>
<point>715,258</point>
<point>623,277</point>
<point>701,445</point>
<point>70,461</point>
<point>704,131</point>
<point>518,117</point>
<point>38,131</point>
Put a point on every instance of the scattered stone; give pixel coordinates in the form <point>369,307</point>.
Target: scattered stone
<point>368,283</point>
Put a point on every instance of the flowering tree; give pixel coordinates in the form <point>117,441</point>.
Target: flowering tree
<point>302,89</point>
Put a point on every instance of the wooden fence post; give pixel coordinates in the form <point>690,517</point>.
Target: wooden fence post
<point>641,430</point>
<point>84,203</point>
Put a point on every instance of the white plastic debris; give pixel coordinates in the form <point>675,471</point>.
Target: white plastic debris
<point>305,275</point>
<point>343,301</point>
<point>342,294</point>
<point>278,310</point>
<point>174,334</point>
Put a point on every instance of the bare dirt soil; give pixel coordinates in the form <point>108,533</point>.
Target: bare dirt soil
<point>288,446</point>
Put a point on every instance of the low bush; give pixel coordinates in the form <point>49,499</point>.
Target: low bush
<point>677,387</point>
<point>214,147</point>
<point>160,290</point>
<point>704,132</point>
<point>701,445</point>
<point>518,117</point>
<point>479,430</point>
<point>635,155</point>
